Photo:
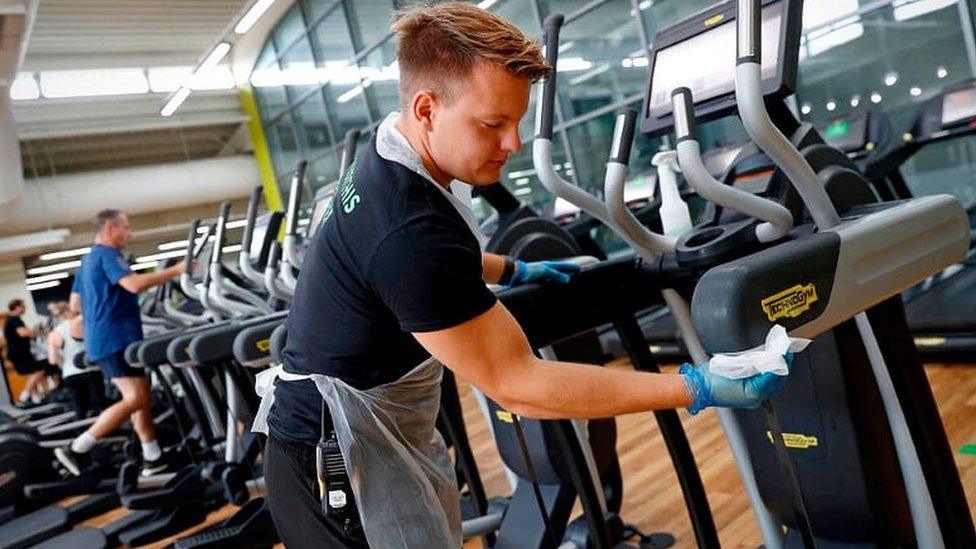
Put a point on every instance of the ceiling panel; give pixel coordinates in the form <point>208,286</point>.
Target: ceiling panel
<point>71,34</point>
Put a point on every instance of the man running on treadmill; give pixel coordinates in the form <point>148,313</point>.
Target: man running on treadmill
<point>396,275</point>
<point>105,291</point>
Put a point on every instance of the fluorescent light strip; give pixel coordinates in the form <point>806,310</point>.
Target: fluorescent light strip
<point>175,245</point>
<point>485,4</point>
<point>174,102</point>
<point>45,278</point>
<point>43,285</point>
<point>54,268</point>
<point>143,266</point>
<point>65,253</point>
<point>251,17</point>
<point>214,58</point>
<point>160,256</point>
<point>232,248</point>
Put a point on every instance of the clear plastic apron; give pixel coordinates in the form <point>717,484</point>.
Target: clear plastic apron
<point>398,464</point>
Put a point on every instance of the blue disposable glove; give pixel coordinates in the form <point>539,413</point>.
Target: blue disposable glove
<point>708,389</point>
<point>542,271</point>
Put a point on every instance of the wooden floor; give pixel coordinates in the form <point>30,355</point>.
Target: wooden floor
<point>653,500</point>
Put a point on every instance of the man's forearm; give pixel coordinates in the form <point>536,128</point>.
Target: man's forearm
<point>493,266</point>
<point>144,281</point>
<point>556,390</point>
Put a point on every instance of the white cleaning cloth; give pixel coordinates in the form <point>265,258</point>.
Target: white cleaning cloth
<point>765,358</point>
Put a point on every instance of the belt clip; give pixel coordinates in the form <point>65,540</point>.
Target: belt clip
<point>335,491</point>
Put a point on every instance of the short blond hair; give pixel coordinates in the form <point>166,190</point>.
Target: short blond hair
<point>439,45</point>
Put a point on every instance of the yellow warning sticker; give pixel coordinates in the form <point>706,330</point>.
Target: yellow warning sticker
<point>263,345</point>
<point>930,341</point>
<point>502,415</point>
<point>796,441</point>
<point>714,20</point>
<point>790,303</point>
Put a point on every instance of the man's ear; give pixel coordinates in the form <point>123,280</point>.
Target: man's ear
<point>423,107</point>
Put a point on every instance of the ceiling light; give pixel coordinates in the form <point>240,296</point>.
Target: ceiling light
<point>252,16</point>
<point>645,4</point>
<point>855,100</point>
<point>875,98</point>
<point>236,224</point>
<point>45,278</point>
<point>806,108</point>
<point>214,58</point>
<point>232,248</point>
<point>93,82</point>
<point>485,4</point>
<point>143,266</point>
<point>891,79</point>
<point>915,91</point>
<point>43,285</point>
<point>174,102</point>
<point>25,87</point>
<point>161,256</point>
<point>352,93</point>
<point>909,9</point>
<point>942,72</point>
<point>831,105</point>
<point>175,245</point>
<point>54,268</point>
<point>65,253</point>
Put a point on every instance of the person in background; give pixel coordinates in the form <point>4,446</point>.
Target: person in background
<point>105,291</point>
<point>65,348</point>
<point>19,338</point>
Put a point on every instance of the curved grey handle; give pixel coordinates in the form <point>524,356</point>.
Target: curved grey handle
<point>683,108</point>
<point>623,136</point>
<point>348,152</point>
<point>295,198</point>
<point>221,232</point>
<point>252,215</point>
<point>191,239</point>
<point>547,107</point>
<point>749,31</point>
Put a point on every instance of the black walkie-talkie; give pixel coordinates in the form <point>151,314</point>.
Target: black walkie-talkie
<point>335,491</point>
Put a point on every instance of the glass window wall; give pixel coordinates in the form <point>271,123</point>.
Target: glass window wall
<point>329,66</point>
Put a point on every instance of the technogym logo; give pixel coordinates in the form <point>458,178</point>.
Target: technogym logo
<point>790,303</point>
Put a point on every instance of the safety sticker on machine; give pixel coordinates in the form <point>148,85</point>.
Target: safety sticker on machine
<point>507,417</point>
<point>263,345</point>
<point>797,441</point>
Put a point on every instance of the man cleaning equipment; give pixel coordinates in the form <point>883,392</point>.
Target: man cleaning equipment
<point>394,286</point>
<point>105,290</point>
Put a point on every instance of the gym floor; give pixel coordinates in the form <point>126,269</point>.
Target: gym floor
<point>652,498</point>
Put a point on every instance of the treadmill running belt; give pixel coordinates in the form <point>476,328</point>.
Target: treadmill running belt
<point>946,308</point>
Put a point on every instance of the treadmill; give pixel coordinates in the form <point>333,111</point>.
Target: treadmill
<point>941,309</point>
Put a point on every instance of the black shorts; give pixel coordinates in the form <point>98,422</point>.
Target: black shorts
<point>289,472</point>
<point>114,365</point>
<point>27,366</point>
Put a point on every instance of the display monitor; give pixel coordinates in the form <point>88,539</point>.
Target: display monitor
<point>959,106</point>
<point>700,54</point>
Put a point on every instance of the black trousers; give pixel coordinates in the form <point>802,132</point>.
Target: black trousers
<point>86,392</point>
<point>289,472</point>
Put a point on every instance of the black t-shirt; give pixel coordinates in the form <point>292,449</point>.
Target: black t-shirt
<point>392,256</point>
<point>18,346</point>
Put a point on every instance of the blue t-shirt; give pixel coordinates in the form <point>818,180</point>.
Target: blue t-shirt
<point>111,313</point>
